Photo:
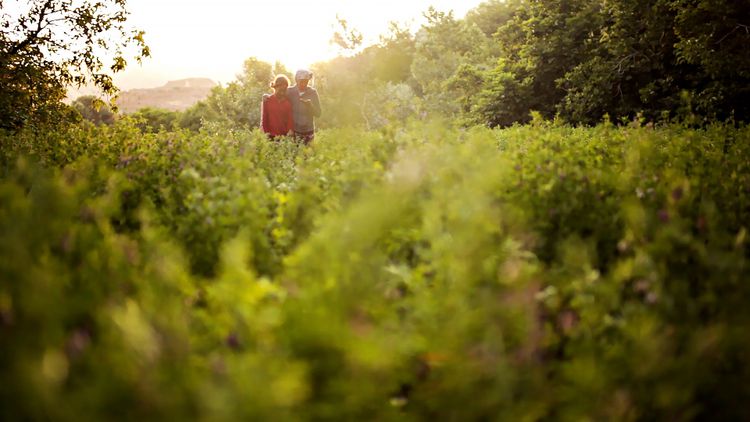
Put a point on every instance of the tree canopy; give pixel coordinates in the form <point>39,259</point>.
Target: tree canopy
<point>575,60</point>
<point>47,45</point>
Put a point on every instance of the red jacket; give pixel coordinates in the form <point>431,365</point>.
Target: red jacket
<point>276,115</point>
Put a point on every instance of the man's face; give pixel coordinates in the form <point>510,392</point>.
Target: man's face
<point>302,83</point>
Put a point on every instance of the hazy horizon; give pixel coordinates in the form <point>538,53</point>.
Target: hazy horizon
<point>189,39</point>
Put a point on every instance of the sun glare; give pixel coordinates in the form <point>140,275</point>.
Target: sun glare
<point>190,38</point>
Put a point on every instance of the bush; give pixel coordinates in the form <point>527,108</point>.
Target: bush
<point>536,272</point>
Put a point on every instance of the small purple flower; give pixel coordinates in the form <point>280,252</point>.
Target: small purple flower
<point>701,224</point>
<point>641,286</point>
<point>664,216</point>
<point>567,321</point>
<point>77,343</point>
<point>677,194</point>
<point>233,341</point>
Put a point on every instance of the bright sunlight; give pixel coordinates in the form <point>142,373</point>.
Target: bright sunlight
<point>192,38</point>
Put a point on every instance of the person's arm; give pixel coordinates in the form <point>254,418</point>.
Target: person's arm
<point>263,116</point>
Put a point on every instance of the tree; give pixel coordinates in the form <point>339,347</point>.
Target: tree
<point>353,86</point>
<point>94,110</point>
<point>393,56</point>
<point>347,39</point>
<point>491,15</point>
<point>541,42</point>
<point>47,45</point>
<point>194,117</point>
<point>632,68</point>
<point>581,60</point>
<point>443,44</point>
<point>388,104</point>
<point>714,35</point>
<point>153,120</point>
<point>343,82</point>
<point>238,103</point>
<point>664,58</point>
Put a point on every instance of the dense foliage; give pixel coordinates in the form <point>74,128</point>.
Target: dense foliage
<point>95,110</point>
<point>536,272</point>
<point>578,61</point>
<point>585,59</point>
<point>48,45</point>
<point>416,261</point>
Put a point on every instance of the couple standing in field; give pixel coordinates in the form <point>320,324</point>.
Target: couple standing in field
<point>291,111</point>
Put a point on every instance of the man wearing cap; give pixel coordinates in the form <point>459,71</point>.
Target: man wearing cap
<point>305,106</point>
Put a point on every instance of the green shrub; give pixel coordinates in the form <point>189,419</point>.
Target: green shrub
<point>425,271</point>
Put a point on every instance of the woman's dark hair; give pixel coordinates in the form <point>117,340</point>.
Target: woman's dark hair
<point>280,80</point>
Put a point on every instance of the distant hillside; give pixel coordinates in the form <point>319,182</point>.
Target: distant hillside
<point>174,95</point>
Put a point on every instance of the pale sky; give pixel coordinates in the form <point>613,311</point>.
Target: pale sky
<point>192,38</point>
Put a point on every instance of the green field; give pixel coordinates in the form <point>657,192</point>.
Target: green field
<point>420,272</point>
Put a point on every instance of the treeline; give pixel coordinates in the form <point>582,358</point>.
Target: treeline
<point>577,60</point>
<point>580,61</point>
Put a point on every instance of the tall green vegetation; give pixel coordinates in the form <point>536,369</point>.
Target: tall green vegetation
<point>535,272</point>
<point>412,263</point>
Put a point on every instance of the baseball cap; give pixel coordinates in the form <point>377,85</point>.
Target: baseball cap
<point>303,74</point>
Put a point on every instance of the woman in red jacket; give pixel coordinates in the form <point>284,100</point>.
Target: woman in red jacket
<point>276,111</point>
